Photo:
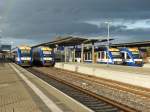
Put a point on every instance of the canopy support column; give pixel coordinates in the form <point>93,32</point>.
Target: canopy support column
<point>82,53</point>
<point>74,53</point>
<point>93,54</point>
<point>65,54</point>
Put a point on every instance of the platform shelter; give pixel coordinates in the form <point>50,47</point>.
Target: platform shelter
<point>71,41</point>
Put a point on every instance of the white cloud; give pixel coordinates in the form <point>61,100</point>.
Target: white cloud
<point>140,24</point>
<point>129,24</point>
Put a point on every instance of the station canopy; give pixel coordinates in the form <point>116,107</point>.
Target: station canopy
<point>71,41</point>
<point>133,44</point>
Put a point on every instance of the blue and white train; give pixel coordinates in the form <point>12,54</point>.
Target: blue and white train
<point>101,55</point>
<point>131,57</point>
<point>43,56</point>
<point>108,55</point>
<point>22,55</point>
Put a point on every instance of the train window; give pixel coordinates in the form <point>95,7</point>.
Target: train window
<point>46,52</point>
<point>103,54</point>
<point>116,54</point>
<point>25,53</point>
<point>89,56</point>
<point>78,54</point>
<point>107,56</point>
<point>98,54</point>
<point>85,56</point>
<point>128,57</point>
<point>136,54</point>
<point>123,55</point>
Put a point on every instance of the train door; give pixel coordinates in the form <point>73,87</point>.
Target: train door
<point>77,56</point>
<point>126,57</point>
<point>98,58</point>
<point>101,57</point>
<point>104,56</point>
<point>88,56</point>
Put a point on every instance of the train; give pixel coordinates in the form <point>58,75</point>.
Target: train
<point>43,56</point>
<point>116,56</point>
<point>131,57</point>
<point>21,55</point>
<point>102,55</point>
<point>108,55</point>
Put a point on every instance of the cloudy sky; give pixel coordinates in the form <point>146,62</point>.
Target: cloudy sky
<point>35,21</point>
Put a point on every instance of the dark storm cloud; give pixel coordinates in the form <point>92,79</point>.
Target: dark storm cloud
<point>47,18</point>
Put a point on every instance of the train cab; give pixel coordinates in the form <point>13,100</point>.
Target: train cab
<point>43,56</point>
<point>111,55</point>
<point>22,55</point>
<point>131,56</point>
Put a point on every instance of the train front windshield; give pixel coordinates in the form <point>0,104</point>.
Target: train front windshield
<point>47,53</point>
<point>136,54</point>
<point>116,54</point>
<point>25,53</point>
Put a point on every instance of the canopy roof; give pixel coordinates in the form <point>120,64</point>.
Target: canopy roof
<point>133,44</point>
<point>71,41</point>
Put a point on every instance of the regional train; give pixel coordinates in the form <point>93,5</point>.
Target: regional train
<point>117,56</point>
<point>43,56</point>
<point>131,57</point>
<point>108,55</point>
<point>102,55</point>
<point>22,55</point>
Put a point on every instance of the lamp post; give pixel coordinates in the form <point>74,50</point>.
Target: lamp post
<point>108,37</point>
<point>0,39</point>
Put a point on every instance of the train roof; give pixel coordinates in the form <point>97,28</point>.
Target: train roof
<point>113,49</point>
<point>25,47</point>
<point>44,48</point>
<point>130,48</point>
<point>133,49</point>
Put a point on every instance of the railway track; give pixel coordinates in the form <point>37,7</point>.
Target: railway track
<point>93,101</point>
<point>133,96</point>
<point>145,92</point>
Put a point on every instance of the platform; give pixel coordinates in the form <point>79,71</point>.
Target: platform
<point>147,65</point>
<point>14,94</point>
<point>21,91</point>
<point>138,76</point>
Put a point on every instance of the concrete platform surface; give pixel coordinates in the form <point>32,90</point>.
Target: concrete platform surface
<point>14,95</point>
<point>18,94</point>
<point>21,91</point>
<point>147,66</point>
<point>138,76</point>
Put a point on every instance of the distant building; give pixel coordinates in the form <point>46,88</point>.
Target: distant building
<point>5,52</point>
<point>5,48</point>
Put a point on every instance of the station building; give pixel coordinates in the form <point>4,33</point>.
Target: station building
<point>5,51</point>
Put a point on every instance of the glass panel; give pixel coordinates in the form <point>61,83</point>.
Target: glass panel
<point>25,53</point>
<point>136,54</point>
<point>116,54</point>
<point>103,55</point>
<point>47,53</point>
